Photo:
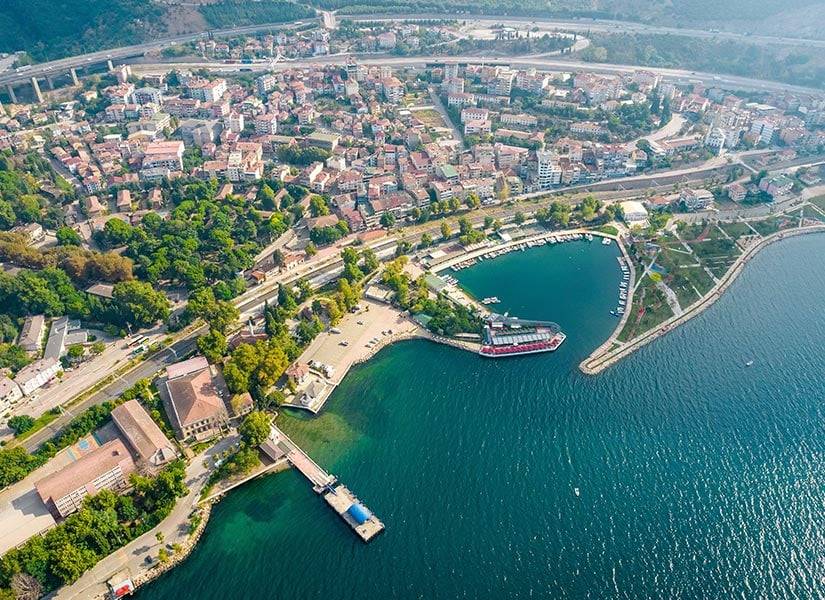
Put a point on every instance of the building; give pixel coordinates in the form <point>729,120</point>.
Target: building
<point>196,395</point>
<point>167,155</point>
<point>148,95</point>
<point>63,334</point>
<point>31,336</point>
<point>736,192</point>
<point>781,185</point>
<point>206,91</point>
<point>696,199</point>
<point>634,212</point>
<point>549,171</point>
<point>10,393</point>
<point>144,438</point>
<point>37,374</point>
<point>104,468</point>
<point>266,124</point>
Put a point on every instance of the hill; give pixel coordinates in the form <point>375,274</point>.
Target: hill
<point>50,29</point>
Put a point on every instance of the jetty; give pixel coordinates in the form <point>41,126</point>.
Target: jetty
<point>338,496</point>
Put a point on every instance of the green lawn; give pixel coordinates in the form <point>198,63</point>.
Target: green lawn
<point>656,310</point>
<point>736,229</point>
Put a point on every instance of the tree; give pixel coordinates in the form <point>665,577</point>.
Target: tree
<point>266,197</point>
<point>213,345</point>
<point>387,220</point>
<point>159,537</point>
<point>25,587</point>
<point>426,240</point>
<point>318,207</point>
<point>21,423</point>
<point>519,218</point>
<point>472,201</point>
<point>310,249</point>
<point>139,303</point>
<point>255,429</point>
<point>66,236</point>
<point>371,262</point>
<point>98,347</point>
<point>219,314</point>
<point>446,231</point>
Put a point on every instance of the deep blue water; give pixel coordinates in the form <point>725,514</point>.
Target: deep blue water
<point>699,477</point>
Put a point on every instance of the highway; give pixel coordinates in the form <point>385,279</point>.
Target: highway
<point>60,66</point>
<point>524,62</point>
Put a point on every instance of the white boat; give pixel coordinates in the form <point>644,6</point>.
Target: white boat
<point>606,242</point>
<point>577,491</point>
<point>749,363</point>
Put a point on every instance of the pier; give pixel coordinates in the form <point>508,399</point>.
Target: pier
<point>337,495</point>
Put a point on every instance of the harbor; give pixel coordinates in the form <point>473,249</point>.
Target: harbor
<point>346,505</point>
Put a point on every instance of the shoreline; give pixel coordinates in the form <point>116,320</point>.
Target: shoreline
<point>599,359</point>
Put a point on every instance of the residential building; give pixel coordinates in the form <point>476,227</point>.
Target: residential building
<point>10,393</point>
<point>37,374</point>
<point>31,336</point>
<point>696,199</point>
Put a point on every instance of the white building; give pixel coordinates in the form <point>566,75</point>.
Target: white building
<point>549,171</point>
<point>634,212</point>
<point>37,374</point>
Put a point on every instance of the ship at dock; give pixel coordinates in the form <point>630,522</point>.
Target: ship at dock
<point>510,336</point>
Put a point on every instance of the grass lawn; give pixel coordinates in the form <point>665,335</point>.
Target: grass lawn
<point>819,201</point>
<point>713,249</point>
<point>690,231</point>
<point>684,290</point>
<point>656,311</point>
<point>430,117</point>
<point>736,229</point>
<point>672,258</point>
<point>698,277</point>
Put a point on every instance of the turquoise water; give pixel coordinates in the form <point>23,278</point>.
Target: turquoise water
<point>699,477</point>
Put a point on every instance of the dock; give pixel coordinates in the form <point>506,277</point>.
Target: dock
<point>337,495</point>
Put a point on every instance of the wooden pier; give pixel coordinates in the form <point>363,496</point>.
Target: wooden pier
<point>337,495</point>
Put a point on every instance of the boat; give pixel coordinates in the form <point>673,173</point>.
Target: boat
<point>606,242</point>
<point>749,363</point>
<point>577,492</point>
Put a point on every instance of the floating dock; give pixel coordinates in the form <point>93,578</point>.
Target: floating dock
<point>356,515</point>
<point>337,495</point>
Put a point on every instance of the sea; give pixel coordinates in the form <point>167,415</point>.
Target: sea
<point>680,472</point>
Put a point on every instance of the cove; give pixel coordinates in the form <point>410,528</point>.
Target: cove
<point>699,477</point>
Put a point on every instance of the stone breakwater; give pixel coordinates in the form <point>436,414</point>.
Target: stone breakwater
<point>603,358</point>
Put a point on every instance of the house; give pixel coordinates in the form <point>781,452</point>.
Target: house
<point>105,468</point>
<point>736,192</point>
<point>696,199</point>
<point>196,394</point>
<point>63,334</point>
<point>298,372</point>
<point>31,336</point>
<point>124,201</point>
<point>10,393</point>
<point>781,185</point>
<point>37,374</point>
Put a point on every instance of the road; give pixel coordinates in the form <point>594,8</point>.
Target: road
<point>523,62</point>
<point>119,54</point>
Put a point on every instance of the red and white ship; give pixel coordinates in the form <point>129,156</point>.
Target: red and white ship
<point>511,336</point>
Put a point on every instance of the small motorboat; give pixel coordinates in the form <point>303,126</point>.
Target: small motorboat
<point>749,363</point>
<point>576,491</point>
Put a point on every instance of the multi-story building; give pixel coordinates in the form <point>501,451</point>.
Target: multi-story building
<point>148,95</point>
<point>104,468</point>
<point>549,172</point>
<point>37,374</point>
<point>197,395</point>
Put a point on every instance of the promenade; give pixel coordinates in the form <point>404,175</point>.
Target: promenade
<point>605,357</point>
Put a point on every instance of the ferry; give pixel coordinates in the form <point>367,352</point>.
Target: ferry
<point>510,336</point>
